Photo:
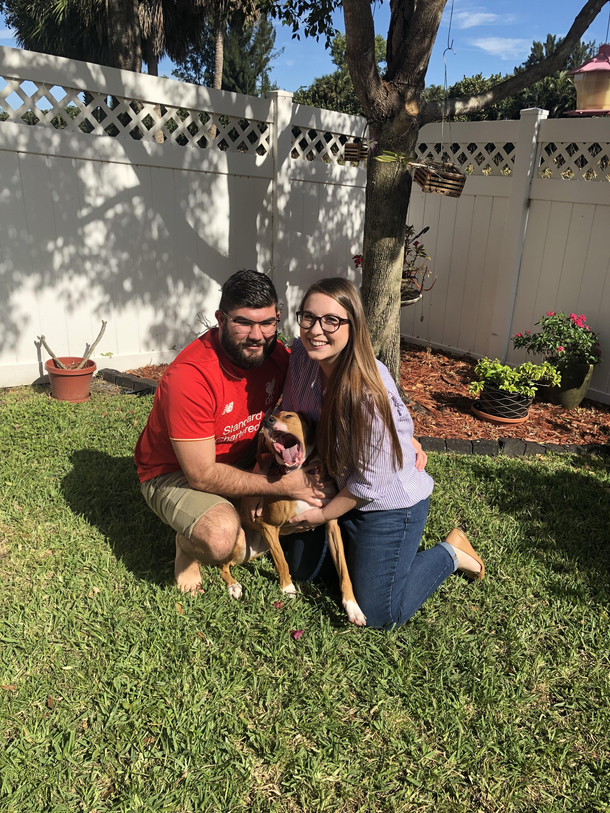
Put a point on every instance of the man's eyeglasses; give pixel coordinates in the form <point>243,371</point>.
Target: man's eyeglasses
<point>328,323</point>
<point>268,326</point>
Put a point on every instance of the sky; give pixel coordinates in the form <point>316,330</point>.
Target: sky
<point>487,38</point>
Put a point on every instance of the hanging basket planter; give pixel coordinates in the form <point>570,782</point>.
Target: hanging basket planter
<point>354,152</point>
<point>444,179</point>
<point>409,295</point>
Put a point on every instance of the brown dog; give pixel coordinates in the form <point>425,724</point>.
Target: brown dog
<point>289,436</point>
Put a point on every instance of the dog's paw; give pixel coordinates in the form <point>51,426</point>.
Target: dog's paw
<point>290,590</point>
<point>235,590</point>
<point>354,613</point>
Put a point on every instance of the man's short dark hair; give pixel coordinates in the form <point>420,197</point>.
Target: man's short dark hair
<point>247,289</point>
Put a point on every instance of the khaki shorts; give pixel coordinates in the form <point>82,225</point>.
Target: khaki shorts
<point>176,503</point>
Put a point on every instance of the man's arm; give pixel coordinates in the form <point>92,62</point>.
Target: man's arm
<point>197,460</point>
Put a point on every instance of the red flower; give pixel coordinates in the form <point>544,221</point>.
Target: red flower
<point>550,313</point>
<point>278,605</point>
<point>518,335</point>
<point>560,349</point>
<point>579,321</point>
<point>296,634</point>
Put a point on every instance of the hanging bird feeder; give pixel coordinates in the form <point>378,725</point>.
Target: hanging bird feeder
<point>592,82</point>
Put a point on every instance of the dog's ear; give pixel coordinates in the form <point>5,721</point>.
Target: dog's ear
<point>310,428</point>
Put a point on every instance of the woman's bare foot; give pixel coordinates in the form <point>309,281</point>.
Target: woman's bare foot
<point>187,570</point>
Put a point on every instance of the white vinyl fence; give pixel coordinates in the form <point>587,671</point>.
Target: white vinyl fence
<point>130,198</point>
<point>142,232</point>
<point>530,234</point>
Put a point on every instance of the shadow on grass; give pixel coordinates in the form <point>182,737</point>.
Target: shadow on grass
<point>105,490</point>
<point>557,510</point>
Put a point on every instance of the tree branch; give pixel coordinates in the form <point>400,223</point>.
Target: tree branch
<point>59,363</point>
<point>360,54</point>
<point>93,346</point>
<point>462,105</point>
<point>413,28</point>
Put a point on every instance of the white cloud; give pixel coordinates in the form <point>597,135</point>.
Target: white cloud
<point>471,19</point>
<point>7,33</point>
<point>290,62</point>
<point>504,47</point>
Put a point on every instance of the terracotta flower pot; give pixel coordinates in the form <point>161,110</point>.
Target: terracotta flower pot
<point>70,385</point>
<point>575,380</point>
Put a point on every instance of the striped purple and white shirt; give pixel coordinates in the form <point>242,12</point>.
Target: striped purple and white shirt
<point>380,485</point>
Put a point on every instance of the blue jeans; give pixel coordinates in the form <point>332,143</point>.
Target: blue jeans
<point>391,577</point>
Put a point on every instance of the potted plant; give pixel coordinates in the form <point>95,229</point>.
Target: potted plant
<point>569,344</point>
<point>414,267</point>
<point>506,393</point>
<point>70,376</point>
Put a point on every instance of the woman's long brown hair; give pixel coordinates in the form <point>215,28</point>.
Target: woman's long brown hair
<point>343,435</point>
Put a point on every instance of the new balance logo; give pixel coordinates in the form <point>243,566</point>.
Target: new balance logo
<point>228,408</point>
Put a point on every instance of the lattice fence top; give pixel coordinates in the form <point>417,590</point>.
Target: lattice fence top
<point>322,145</point>
<point>574,161</point>
<point>64,108</point>
<point>473,158</point>
<point>488,158</point>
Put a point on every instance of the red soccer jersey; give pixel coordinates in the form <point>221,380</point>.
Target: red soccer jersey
<point>204,395</point>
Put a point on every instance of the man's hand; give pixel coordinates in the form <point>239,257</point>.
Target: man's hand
<point>421,458</point>
<point>252,507</point>
<point>304,485</point>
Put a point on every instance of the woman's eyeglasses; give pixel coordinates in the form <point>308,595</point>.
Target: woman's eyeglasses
<point>328,323</point>
<point>268,326</point>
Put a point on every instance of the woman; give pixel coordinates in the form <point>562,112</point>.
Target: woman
<point>365,438</point>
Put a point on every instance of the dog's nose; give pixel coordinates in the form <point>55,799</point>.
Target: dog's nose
<point>268,421</point>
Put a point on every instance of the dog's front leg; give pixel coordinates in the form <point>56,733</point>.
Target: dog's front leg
<point>271,536</point>
<point>237,557</point>
<point>337,551</point>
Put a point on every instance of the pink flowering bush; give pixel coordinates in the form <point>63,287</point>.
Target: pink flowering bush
<point>562,338</point>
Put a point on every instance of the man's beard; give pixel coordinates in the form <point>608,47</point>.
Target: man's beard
<point>236,351</point>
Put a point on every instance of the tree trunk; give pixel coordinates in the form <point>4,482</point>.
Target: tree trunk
<point>388,189</point>
<point>220,50</point>
<point>124,40</point>
<point>152,61</point>
<point>218,65</point>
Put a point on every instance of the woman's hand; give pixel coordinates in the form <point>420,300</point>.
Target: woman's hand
<point>309,519</point>
<point>421,458</point>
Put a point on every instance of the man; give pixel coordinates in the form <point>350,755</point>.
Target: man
<point>200,436</point>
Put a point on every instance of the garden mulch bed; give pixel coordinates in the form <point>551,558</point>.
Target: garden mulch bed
<point>438,382</point>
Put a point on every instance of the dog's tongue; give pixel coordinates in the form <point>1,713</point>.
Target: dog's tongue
<point>288,453</point>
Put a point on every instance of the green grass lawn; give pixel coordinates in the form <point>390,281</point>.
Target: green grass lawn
<point>119,694</point>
